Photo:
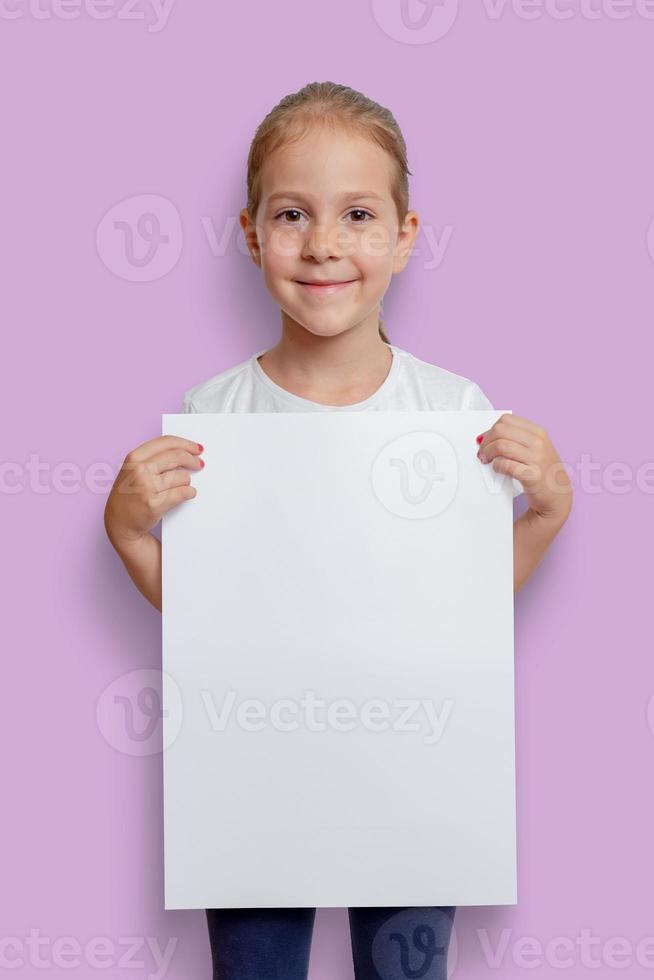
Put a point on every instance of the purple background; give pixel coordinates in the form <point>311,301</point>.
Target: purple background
<point>532,141</point>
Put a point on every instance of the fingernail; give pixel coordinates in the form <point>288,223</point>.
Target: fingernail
<point>480,438</point>
<point>201,463</point>
<point>481,458</point>
<point>200,447</point>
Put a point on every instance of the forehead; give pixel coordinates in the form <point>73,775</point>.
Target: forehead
<point>328,163</point>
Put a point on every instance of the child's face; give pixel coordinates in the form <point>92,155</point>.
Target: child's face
<point>326,214</point>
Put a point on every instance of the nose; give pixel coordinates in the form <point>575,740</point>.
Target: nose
<point>322,241</point>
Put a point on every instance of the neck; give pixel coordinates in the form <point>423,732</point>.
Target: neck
<point>338,370</point>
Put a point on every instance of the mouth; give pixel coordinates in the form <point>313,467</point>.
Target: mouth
<point>327,288</point>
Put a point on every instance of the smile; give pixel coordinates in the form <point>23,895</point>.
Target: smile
<point>324,289</point>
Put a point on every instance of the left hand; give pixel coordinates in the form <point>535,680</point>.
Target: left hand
<point>523,450</point>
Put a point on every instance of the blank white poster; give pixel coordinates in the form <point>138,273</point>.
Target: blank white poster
<point>338,676</point>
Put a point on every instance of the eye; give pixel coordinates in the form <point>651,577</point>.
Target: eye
<point>360,211</point>
<point>287,211</point>
<point>295,221</point>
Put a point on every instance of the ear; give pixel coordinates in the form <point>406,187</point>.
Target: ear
<point>405,240</point>
<point>250,233</point>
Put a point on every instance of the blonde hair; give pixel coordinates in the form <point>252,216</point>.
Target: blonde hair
<point>326,103</point>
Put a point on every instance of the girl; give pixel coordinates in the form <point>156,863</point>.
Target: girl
<point>327,222</point>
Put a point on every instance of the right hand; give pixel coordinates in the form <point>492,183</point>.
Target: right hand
<point>154,478</point>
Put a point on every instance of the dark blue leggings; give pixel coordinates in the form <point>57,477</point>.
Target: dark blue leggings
<point>274,944</point>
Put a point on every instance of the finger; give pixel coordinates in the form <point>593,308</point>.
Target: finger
<point>523,423</point>
<point>520,422</point>
<point>506,430</point>
<point>173,478</point>
<point>170,498</point>
<point>153,446</point>
<point>506,448</point>
<point>147,474</point>
<point>512,467</point>
<point>506,456</point>
<point>172,459</point>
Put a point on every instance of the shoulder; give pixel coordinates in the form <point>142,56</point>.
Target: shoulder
<point>445,389</point>
<point>216,394</point>
<point>462,393</point>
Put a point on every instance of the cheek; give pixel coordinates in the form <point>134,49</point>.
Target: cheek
<point>282,245</point>
<point>375,249</point>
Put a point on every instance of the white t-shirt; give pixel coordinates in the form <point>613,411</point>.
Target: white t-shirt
<point>410,385</point>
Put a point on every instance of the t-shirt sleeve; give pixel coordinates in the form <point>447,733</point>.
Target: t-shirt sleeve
<point>188,408</point>
<point>477,401</point>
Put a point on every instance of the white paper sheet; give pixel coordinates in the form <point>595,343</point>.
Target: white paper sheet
<point>363,560</point>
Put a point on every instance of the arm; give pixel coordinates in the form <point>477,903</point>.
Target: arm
<point>142,559</point>
<point>523,450</point>
<point>153,478</point>
<point>532,536</point>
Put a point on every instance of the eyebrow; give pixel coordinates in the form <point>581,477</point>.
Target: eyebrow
<point>347,196</point>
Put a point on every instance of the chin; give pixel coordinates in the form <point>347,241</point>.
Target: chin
<point>325,331</point>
